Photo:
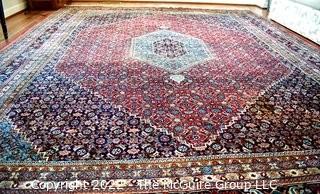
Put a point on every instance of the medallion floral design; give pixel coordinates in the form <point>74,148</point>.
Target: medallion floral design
<point>170,50</point>
<point>169,77</point>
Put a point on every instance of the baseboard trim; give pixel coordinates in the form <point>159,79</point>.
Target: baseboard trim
<point>15,9</point>
<point>258,3</point>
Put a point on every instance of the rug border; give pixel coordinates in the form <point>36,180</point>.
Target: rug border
<point>164,160</point>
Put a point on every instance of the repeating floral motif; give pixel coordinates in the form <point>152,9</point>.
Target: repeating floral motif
<point>194,109</point>
<point>289,109</point>
<point>6,70</point>
<point>69,123</point>
<point>288,43</point>
<point>61,119</point>
<point>12,146</point>
<point>249,112</point>
<point>169,48</point>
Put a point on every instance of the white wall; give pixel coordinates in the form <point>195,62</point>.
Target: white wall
<point>260,3</point>
<point>298,17</point>
<point>312,3</point>
<point>13,6</point>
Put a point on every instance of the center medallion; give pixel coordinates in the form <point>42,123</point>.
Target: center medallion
<point>170,50</point>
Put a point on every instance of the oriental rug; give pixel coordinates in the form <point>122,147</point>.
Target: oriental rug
<point>152,100</point>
